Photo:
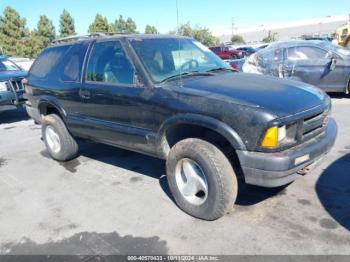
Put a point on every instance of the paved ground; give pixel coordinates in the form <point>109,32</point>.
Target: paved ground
<point>113,201</point>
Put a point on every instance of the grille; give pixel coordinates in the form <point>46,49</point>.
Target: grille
<point>15,85</point>
<point>314,125</point>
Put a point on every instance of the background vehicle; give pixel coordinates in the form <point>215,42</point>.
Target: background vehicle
<point>320,38</point>
<point>247,50</point>
<point>237,64</point>
<point>172,98</point>
<point>262,47</point>
<point>343,35</point>
<point>11,87</point>
<point>226,53</point>
<point>22,62</point>
<point>319,63</point>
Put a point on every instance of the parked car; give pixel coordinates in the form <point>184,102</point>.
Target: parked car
<point>247,50</point>
<point>22,62</point>
<point>11,87</point>
<point>319,63</point>
<point>170,97</point>
<point>227,53</point>
<point>320,38</point>
<point>262,47</point>
<point>237,64</point>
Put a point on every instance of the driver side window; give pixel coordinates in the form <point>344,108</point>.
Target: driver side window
<point>108,63</point>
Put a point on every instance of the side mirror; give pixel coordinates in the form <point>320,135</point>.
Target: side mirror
<point>333,64</point>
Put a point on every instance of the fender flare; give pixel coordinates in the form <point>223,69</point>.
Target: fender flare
<point>202,121</point>
<point>46,101</point>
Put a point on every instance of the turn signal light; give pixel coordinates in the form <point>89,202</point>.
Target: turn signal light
<point>271,138</point>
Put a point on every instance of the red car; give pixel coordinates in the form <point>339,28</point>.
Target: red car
<point>226,53</point>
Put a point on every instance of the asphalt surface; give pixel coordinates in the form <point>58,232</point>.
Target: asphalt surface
<point>112,201</point>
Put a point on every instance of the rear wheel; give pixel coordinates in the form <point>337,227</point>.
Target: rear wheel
<point>59,142</point>
<point>201,179</point>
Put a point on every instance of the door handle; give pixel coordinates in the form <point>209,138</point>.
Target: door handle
<point>85,94</point>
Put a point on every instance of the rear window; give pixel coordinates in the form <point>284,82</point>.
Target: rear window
<point>72,63</point>
<point>47,60</point>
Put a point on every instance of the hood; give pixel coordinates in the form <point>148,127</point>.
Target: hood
<point>279,96</point>
<point>7,75</point>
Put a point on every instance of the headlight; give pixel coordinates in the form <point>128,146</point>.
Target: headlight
<point>275,136</point>
<point>3,86</point>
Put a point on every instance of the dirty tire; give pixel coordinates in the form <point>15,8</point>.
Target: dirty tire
<point>220,178</point>
<point>68,146</point>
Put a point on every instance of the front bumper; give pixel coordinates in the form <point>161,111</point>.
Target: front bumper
<point>33,112</point>
<point>277,169</point>
<point>11,98</point>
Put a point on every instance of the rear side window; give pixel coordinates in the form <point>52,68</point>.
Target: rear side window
<point>47,60</point>
<point>108,63</point>
<point>306,53</point>
<point>72,63</point>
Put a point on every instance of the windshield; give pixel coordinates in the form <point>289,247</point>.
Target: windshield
<point>7,65</point>
<point>168,57</point>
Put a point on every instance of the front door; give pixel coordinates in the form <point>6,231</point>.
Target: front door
<point>313,65</point>
<point>117,110</point>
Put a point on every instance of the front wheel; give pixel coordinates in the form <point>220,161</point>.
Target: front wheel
<point>201,179</point>
<point>59,142</point>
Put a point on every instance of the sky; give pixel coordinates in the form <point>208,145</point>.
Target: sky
<point>212,14</point>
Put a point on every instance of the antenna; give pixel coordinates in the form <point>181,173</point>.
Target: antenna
<point>178,34</point>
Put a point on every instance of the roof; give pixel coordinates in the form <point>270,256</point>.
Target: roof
<point>98,36</point>
<point>298,43</point>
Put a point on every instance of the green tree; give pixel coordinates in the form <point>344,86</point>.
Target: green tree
<point>100,24</point>
<point>12,33</point>
<point>130,26</point>
<point>39,38</point>
<point>120,25</point>
<point>185,30</point>
<point>46,30</point>
<point>67,26</point>
<point>237,39</point>
<point>33,45</point>
<point>271,37</point>
<point>151,29</point>
<point>204,36</point>
<point>201,34</point>
<point>123,26</point>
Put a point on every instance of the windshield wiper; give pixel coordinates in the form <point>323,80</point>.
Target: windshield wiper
<point>186,74</point>
<point>220,69</point>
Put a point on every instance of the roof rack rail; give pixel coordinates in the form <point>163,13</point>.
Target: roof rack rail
<point>78,37</point>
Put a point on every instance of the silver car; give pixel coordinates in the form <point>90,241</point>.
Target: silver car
<point>319,63</point>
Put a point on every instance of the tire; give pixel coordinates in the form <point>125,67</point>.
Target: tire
<point>68,147</point>
<point>218,174</point>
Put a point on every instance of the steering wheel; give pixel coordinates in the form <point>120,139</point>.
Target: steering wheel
<point>191,64</point>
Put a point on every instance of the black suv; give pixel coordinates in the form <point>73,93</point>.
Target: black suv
<point>172,98</point>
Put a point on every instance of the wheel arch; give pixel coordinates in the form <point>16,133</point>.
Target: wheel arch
<point>190,123</point>
<point>48,105</point>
